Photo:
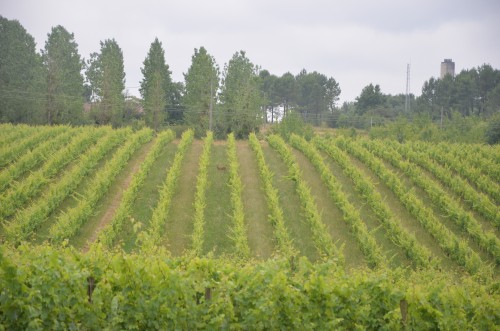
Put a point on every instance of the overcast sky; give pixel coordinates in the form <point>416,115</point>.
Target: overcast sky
<point>356,42</point>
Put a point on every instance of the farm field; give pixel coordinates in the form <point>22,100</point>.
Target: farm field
<point>357,205</point>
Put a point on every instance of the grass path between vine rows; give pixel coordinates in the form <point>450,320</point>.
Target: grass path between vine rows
<point>218,210</point>
<point>179,225</point>
<point>259,229</point>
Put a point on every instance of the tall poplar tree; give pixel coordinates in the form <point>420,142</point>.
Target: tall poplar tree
<point>202,83</point>
<point>64,81</point>
<point>241,100</point>
<point>106,78</point>
<point>155,86</point>
<point>21,77</point>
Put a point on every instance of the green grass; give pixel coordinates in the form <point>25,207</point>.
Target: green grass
<point>218,209</point>
<point>180,219</point>
<point>259,229</point>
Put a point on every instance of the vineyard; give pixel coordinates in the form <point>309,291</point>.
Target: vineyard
<point>131,229</point>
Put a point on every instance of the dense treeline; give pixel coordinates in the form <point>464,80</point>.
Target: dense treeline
<point>59,86</point>
<point>49,88</point>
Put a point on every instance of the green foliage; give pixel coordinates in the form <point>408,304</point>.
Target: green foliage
<point>420,255</point>
<point>106,78</point>
<point>34,157</point>
<point>110,232</point>
<point>21,75</point>
<point>64,81</point>
<point>475,200</point>
<point>315,95</point>
<point>284,243</point>
<point>241,101</point>
<point>200,197</point>
<point>322,240</point>
<point>448,241</point>
<point>202,84</point>
<point>155,86</point>
<point>293,123</point>
<point>27,220</point>
<point>420,127</point>
<point>47,288</point>
<point>493,131</point>
<point>370,98</point>
<point>68,224</point>
<point>451,208</point>
<point>151,239</point>
<point>368,244</point>
<point>239,235</point>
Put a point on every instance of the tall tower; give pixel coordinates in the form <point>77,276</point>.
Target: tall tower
<point>447,68</point>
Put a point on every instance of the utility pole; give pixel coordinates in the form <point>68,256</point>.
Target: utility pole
<point>211,104</point>
<point>407,99</point>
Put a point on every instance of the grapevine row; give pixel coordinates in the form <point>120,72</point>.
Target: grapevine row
<point>321,238</point>
<point>368,244</point>
<point>472,174</point>
<point>456,249</point>
<point>487,241</point>
<point>20,193</point>
<point>51,288</point>
<point>29,219</point>
<point>469,154</point>
<point>9,153</point>
<point>68,223</point>
<point>160,213</point>
<point>200,197</point>
<point>109,233</point>
<point>476,200</point>
<point>284,243</point>
<point>239,235</point>
<point>13,133</point>
<point>420,255</point>
<point>32,158</point>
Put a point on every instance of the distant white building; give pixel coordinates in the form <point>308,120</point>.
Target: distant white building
<point>447,68</point>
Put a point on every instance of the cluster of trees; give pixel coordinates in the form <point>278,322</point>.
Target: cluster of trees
<point>473,92</point>
<point>59,86</point>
